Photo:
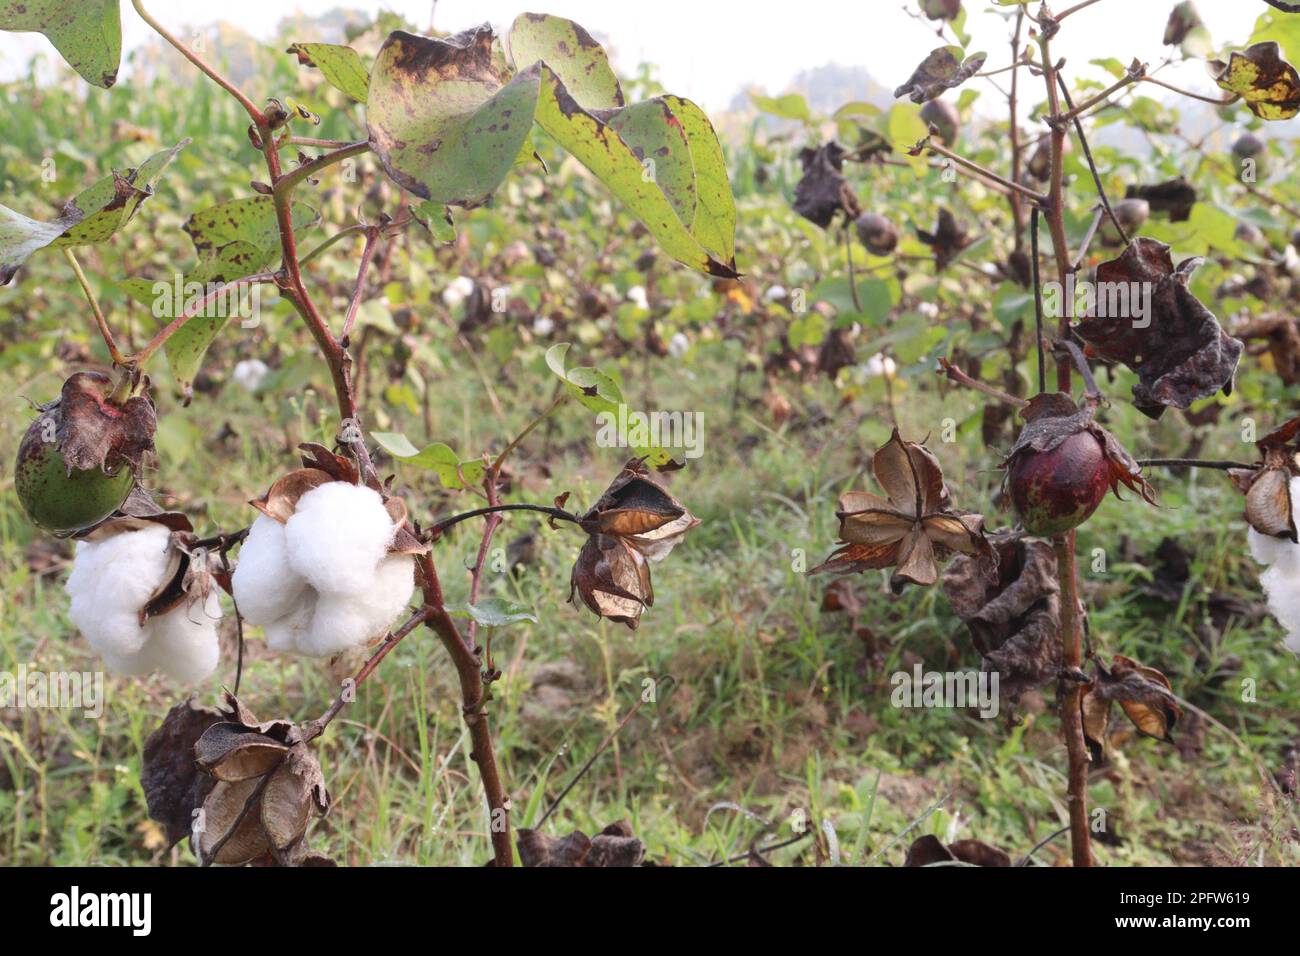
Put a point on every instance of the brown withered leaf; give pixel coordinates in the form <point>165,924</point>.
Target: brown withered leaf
<point>1143,693</point>
<point>928,850</point>
<point>281,499</point>
<point>939,72</point>
<point>1267,487</point>
<point>1269,84</point>
<point>1183,19</point>
<point>614,846</point>
<point>1013,617</point>
<point>948,239</point>
<point>1175,197</point>
<point>822,190</point>
<point>338,467</point>
<point>174,787</point>
<point>1179,351</point>
<point>912,528</point>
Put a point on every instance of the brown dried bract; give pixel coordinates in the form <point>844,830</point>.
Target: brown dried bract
<point>1267,487</point>
<point>913,528</point>
<point>634,522</point>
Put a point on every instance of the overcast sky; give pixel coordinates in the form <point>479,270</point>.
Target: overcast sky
<point>709,49</point>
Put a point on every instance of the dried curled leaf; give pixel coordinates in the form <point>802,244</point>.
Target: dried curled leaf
<point>1269,84</point>
<point>929,851</point>
<point>948,240</point>
<point>613,846</point>
<point>822,190</point>
<point>1160,330</point>
<point>1143,693</point>
<point>1174,196</point>
<point>939,72</point>
<point>96,433</point>
<point>1014,617</point>
<point>912,528</point>
<point>174,787</point>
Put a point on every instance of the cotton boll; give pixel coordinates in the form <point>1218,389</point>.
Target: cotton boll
<point>1282,585</point>
<point>351,620</point>
<point>184,643</point>
<point>338,535</point>
<point>458,290</point>
<point>679,345</point>
<point>250,374</point>
<point>111,581</point>
<point>637,295</point>
<point>775,293</point>
<point>543,326</point>
<point>284,635</point>
<point>881,364</point>
<point>266,587</point>
<point>1267,549</point>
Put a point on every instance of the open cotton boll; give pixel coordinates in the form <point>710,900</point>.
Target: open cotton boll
<point>1267,549</point>
<point>286,633</point>
<point>110,581</point>
<point>337,536</point>
<point>342,621</point>
<point>266,587</point>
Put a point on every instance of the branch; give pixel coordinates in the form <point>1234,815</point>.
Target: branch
<point>367,256</point>
<point>435,531</point>
<point>987,173</point>
<point>289,180</point>
<point>961,378</point>
<point>174,325</point>
<point>105,332</point>
<point>258,117</point>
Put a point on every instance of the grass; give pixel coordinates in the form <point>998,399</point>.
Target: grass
<point>778,712</point>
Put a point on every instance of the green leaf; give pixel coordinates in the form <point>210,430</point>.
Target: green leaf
<point>87,33</point>
<point>496,612</point>
<point>599,147</point>
<point>448,121</point>
<point>571,53</point>
<point>444,121</point>
<point>453,471</point>
<point>94,215</point>
<point>341,66</point>
<point>790,106</point>
<point>437,219</point>
<point>233,240</point>
<point>714,224</point>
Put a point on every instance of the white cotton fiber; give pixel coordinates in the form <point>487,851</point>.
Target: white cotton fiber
<point>1282,580</point>
<point>184,644</point>
<point>265,587</point>
<point>350,620</point>
<point>338,535</point>
<point>111,581</point>
<point>286,634</point>
<point>324,582</point>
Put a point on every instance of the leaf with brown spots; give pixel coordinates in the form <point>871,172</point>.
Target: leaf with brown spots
<point>87,33</point>
<point>939,72</point>
<point>1269,84</point>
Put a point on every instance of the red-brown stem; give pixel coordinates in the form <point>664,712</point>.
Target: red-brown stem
<point>1017,206</point>
<point>105,332</point>
<point>1068,691</point>
<point>170,329</point>
<point>490,523</point>
<point>359,291</point>
<point>317,727</point>
<point>961,378</point>
<point>469,671</point>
